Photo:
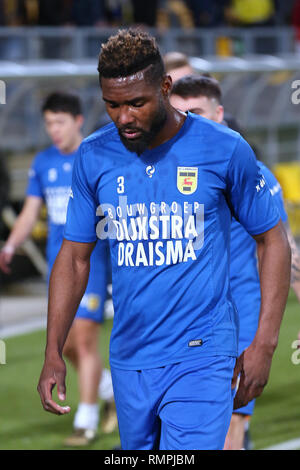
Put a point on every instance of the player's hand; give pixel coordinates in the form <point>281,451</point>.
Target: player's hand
<point>252,370</point>
<point>53,373</point>
<point>6,256</point>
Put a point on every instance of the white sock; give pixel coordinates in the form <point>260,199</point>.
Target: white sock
<point>87,416</point>
<point>105,389</point>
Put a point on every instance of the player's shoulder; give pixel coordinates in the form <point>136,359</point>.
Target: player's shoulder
<point>99,138</point>
<point>200,124</point>
<point>42,157</point>
<point>212,132</point>
<point>220,144</point>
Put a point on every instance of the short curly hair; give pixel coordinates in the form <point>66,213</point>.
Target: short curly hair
<point>128,52</point>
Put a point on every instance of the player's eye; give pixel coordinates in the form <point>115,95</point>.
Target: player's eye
<point>137,104</point>
<point>113,105</point>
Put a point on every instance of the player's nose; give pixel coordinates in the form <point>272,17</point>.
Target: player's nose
<point>125,116</point>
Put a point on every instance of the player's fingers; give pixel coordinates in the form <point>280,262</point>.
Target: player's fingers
<point>247,392</point>
<point>41,388</point>
<point>47,405</point>
<point>238,402</point>
<point>53,407</point>
<point>234,379</point>
<point>61,388</point>
<point>240,399</point>
<point>4,264</point>
<point>45,391</point>
<point>5,269</point>
<point>241,394</point>
<point>237,370</point>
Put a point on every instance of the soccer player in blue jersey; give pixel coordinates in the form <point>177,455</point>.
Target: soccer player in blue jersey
<point>162,186</point>
<point>202,95</point>
<point>50,181</point>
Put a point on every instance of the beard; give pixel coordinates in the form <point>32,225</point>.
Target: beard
<point>141,143</point>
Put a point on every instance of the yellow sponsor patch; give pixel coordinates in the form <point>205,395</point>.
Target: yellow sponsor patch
<point>187,179</point>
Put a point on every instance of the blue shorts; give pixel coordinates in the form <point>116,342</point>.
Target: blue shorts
<point>183,406</point>
<point>92,303</point>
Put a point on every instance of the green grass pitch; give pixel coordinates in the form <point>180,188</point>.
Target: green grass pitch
<point>25,426</point>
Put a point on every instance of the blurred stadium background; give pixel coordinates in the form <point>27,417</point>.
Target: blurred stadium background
<point>252,47</point>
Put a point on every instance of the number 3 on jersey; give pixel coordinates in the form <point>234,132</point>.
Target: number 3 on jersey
<point>120,188</point>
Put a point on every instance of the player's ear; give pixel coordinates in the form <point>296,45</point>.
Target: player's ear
<point>79,120</point>
<point>166,85</point>
<point>220,114</point>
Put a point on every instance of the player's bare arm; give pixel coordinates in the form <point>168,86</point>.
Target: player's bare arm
<point>67,285</point>
<point>22,229</point>
<point>254,364</point>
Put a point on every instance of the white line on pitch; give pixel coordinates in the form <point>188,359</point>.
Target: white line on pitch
<point>293,444</point>
<point>23,328</point>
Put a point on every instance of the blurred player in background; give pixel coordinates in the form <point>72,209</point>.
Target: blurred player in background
<point>50,181</point>
<point>202,95</point>
<point>174,339</point>
<point>177,65</point>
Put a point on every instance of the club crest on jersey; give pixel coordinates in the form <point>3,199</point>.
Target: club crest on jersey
<point>187,179</point>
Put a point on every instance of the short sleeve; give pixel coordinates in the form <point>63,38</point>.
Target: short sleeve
<point>248,192</point>
<point>81,214</point>
<point>34,186</point>
<point>276,191</point>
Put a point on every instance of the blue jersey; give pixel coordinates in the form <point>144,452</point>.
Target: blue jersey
<point>50,178</point>
<point>244,278</point>
<point>167,214</point>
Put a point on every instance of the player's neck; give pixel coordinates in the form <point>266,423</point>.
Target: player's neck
<point>174,122</point>
<point>75,143</point>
